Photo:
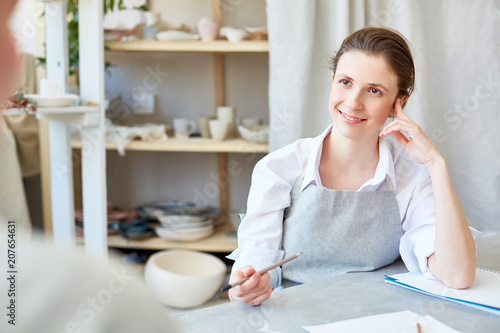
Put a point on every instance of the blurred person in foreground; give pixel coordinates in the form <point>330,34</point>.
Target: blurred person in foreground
<point>53,290</point>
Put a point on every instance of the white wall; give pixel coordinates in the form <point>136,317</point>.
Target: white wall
<point>186,90</point>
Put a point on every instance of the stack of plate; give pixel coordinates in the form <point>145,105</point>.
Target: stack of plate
<point>182,221</point>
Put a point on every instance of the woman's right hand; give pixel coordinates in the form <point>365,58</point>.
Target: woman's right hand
<point>253,291</point>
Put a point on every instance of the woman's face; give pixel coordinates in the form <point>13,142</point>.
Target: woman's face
<point>364,90</point>
<point>8,53</point>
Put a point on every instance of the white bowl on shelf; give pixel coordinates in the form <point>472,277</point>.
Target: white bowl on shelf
<point>42,101</point>
<point>257,134</point>
<point>186,234</point>
<point>183,278</point>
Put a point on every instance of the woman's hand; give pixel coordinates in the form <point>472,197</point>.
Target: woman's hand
<point>255,290</point>
<point>418,145</point>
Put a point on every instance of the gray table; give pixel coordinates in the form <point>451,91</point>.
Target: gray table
<point>343,297</point>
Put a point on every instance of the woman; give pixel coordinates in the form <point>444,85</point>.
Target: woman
<point>352,199</point>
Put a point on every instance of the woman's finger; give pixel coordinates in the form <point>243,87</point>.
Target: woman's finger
<point>258,300</point>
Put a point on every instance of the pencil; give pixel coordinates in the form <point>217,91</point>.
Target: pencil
<point>418,328</point>
<point>262,271</point>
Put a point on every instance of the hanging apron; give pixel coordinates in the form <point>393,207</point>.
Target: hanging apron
<point>339,231</point>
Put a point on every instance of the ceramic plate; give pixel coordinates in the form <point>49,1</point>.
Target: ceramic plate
<point>185,235</point>
<point>64,100</point>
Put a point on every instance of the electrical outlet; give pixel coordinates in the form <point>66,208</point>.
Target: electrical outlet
<point>144,105</point>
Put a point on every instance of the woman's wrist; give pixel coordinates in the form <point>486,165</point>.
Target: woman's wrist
<point>435,161</point>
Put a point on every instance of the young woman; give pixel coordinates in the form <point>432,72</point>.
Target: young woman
<point>352,199</point>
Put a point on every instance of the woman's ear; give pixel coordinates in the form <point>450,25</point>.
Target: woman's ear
<point>404,99</point>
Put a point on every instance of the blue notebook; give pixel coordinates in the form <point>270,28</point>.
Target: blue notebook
<point>484,294</point>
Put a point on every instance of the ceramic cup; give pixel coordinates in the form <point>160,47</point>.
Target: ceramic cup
<point>227,115</point>
<point>204,128</point>
<point>184,127</point>
<point>208,30</point>
<point>218,129</point>
<point>50,88</point>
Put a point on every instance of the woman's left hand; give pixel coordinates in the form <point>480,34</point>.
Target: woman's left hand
<point>417,145</point>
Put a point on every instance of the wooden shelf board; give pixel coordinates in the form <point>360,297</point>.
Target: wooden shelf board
<point>222,240</point>
<point>189,145</point>
<point>222,46</point>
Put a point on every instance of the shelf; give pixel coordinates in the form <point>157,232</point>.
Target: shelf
<point>85,115</point>
<point>189,145</point>
<point>218,46</point>
<point>222,240</point>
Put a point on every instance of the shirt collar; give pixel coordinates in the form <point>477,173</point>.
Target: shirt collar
<point>385,166</point>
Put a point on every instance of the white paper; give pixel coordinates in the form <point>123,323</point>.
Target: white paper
<point>485,289</point>
<point>395,322</point>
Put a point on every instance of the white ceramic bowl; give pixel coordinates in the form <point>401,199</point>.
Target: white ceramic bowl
<point>183,278</point>
<point>185,235</point>
<point>180,219</point>
<point>258,134</point>
<point>64,100</point>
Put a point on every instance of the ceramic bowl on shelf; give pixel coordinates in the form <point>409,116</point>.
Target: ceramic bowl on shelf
<point>64,100</point>
<point>257,134</point>
<point>183,278</point>
<point>186,234</point>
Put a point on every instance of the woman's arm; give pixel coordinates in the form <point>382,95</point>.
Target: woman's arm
<point>454,259</point>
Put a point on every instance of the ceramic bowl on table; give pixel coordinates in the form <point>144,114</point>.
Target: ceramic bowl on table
<point>183,278</point>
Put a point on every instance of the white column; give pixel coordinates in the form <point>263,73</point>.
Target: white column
<point>93,137</point>
<point>61,168</point>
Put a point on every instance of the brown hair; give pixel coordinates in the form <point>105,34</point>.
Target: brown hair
<point>390,45</point>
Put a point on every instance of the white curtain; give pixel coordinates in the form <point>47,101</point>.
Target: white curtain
<point>456,47</point>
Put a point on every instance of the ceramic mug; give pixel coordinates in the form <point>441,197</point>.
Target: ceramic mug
<point>218,129</point>
<point>227,114</point>
<point>204,128</point>
<point>184,127</point>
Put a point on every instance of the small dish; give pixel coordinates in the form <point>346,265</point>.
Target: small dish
<point>64,100</point>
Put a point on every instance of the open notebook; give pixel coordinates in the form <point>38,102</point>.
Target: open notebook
<point>484,294</point>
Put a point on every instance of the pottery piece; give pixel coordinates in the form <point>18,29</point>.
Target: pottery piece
<point>218,129</point>
<point>183,278</point>
<point>227,115</point>
<point>204,128</point>
<point>183,127</point>
<point>208,30</point>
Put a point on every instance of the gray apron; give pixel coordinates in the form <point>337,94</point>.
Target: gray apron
<point>339,231</point>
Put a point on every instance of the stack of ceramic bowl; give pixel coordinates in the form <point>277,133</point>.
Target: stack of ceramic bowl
<point>115,217</point>
<point>183,221</point>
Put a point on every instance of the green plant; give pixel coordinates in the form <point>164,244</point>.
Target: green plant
<point>72,20</point>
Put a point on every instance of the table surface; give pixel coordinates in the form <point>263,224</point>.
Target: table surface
<point>342,297</point>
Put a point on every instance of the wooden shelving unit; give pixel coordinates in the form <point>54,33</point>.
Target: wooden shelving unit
<point>217,46</point>
<point>196,145</point>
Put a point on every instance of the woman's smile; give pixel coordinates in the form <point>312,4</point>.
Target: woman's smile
<point>350,120</point>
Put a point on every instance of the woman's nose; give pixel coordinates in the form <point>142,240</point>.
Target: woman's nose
<point>354,102</point>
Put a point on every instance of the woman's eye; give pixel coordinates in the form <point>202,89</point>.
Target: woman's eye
<point>345,82</point>
<point>375,91</point>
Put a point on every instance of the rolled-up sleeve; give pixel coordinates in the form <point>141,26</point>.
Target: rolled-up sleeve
<point>419,226</point>
<point>260,233</point>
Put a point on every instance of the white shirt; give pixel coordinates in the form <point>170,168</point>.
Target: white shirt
<point>260,233</point>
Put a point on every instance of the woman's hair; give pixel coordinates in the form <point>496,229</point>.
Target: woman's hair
<point>390,45</point>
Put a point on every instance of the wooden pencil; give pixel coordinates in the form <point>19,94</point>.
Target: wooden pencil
<point>262,271</point>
